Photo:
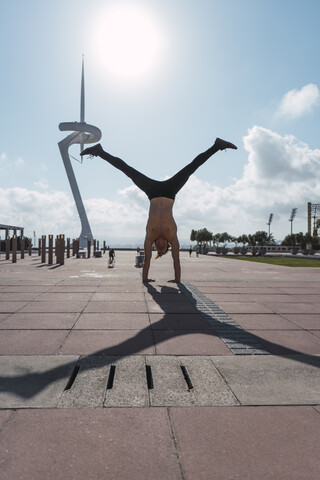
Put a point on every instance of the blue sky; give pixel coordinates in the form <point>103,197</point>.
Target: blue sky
<point>243,70</point>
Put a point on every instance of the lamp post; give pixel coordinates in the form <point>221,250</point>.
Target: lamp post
<point>269,223</point>
<point>292,216</point>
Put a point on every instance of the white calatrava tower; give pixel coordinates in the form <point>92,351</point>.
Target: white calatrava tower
<point>82,133</point>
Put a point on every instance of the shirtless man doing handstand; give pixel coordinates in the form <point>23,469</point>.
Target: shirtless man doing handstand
<point>161,229</point>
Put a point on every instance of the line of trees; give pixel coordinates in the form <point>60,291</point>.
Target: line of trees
<point>203,236</point>
<point>219,241</point>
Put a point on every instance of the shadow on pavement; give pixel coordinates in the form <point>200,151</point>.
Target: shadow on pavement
<point>30,384</point>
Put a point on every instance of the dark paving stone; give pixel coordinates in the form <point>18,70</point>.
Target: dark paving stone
<point>307,321</point>
<point>267,321</point>
<point>39,321</point>
<point>245,307</point>
<point>108,342</point>
<point>52,307</point>
<point>31,342</point>
<point>118,443</point>
<point>4,417</point>
<point>296,308</point>
<point>278,342</point>
<point>11,307</point>
<point>64,297</point>
<point>171,307</point>
<point>112,321</point>
<point>118,297</point>
<point>248,443</point>
<point>116,307</point>
<point>178,321</point>
<point>184,342</point>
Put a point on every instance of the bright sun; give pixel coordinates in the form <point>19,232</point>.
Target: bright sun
<point>128,42</point>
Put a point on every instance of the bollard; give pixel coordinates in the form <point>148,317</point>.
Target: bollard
<point>68,247</point>
<point>39,246</point>
<point>89,248</point>
<point>56,249</point>
<point>98,245</point>
<point>14,249</point>
<point>50,255</point>
<point>22,247</point>
<point>94,247</point>
<point>43,249</point>
<point>7,247</point>
<point>30,247</point>
<point>104,246</point>
<point>60,244</point>
<point>62,249</point>
<point>75,247</point>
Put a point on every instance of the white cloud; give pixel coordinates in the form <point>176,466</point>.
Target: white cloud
<point>281,173</point>
<point>7,164</point>
<point>42,183</point>
<point>296,103</point>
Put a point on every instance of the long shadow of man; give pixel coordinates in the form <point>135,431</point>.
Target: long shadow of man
<point>28,385</point>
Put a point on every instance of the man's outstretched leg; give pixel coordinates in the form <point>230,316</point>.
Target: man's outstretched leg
<point>142,181</point>
<point>179,179</point>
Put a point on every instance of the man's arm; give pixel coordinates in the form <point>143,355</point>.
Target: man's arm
<point>147,258</point>
<point>175,247</point>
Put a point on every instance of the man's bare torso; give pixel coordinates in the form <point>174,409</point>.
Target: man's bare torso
<point>160,222</point>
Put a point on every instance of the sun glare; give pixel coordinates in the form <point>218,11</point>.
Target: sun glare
<point>128,42</point>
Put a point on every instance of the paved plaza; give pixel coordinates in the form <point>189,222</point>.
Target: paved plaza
<point>102,377</point>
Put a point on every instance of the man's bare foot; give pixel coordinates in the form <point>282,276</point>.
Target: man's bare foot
<point>148,280</point>
<point>94,151</point>
<point>222,144</point>
<point>173,281</point>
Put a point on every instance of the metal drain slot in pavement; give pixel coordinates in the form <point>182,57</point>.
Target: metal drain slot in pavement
<point>142,381</point>
<point>231,333</point>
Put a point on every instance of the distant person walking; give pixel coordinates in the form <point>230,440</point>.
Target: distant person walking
<point>111,255</point>
<point>161,229</point>
<point>190,251</point>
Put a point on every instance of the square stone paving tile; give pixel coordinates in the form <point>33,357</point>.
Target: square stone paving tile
<point>248,443</point>
<point>31,342</point>
<point>10,307</point>
<point>116,307</point>
<point>54,307</point>
<point>172,307</point>
<point>72,289</point>
<point>118,297</point>
<point>112,321</point>
<point>4,417</point>
<point>248,297</point>
<point>118,443</point>
<point>39,321</point>
<point>297,291</point>
<point>295,307</point>
<point>307,321</point>
<point>166,297</point>
<point>163,287</point>
<point>17,296</point>
<point>3,316</point>
<point>65,297</point>
<point>272,380</point>
<point>264,321</point>
<point>124,287</point>
<point>244,307</point>
<point>32,289</point>
<point>189,342</point>
<point>279,341</point>
<point>109,342</point>
<point>178,321</point>
<point>34,381</point>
